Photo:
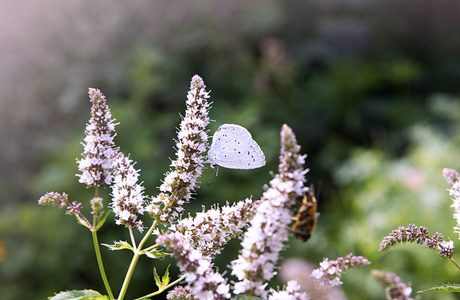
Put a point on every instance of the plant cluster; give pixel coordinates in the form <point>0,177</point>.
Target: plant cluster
<point>194,241</point>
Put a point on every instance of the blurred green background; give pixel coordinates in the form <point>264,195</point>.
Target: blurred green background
<point>371,89</point>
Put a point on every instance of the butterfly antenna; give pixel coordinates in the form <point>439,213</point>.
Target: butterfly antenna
<point>217,169</point>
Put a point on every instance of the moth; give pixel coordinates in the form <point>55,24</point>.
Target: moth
<point>306,218</point>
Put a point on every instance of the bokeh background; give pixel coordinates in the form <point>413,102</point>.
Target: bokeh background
<point>370,87</point>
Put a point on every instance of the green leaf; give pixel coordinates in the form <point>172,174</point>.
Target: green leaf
<point>101,221</point>
<point>119,246</point>
<point>443,288</point>
<point>164,281</point>
<point>79,295</point>
<point>166,276</point>
<point>155,254</point>
<point>82,221</point>
<point>157,278</point>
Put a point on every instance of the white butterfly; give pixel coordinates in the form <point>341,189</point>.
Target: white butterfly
<point>233,147</point>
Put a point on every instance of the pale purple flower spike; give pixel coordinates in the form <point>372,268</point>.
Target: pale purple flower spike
<point>419,235</point>
<point>452,177</point>
<point>180,182</point>
<point>194,242</point>
<point>61,200</point>
<point>330,271</point>
<point>292,292</point>
<point>198,268</point>
<point>127,193</point>
<point>181,293</point>
<point>99,147</point>
<point>209,231</point>
<point>264,239</point>
<point>394,288</point>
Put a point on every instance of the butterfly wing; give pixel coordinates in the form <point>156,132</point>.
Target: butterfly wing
<point>233,147</point>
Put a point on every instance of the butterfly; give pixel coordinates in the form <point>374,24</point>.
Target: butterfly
<point>233,147</point>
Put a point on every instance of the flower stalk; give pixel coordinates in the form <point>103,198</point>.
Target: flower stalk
<point>419,235</point>
<point>192,141</point>
<point>330,272</point>
<point>269,228</point>
<point>137,253</point>
<point>99,147</point>
<point>100,264</point>
<point>394,288</point>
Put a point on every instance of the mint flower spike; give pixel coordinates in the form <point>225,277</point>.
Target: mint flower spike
<point>451,176</point>
<point>453,179</point>
<point>62,200</point>
<point>394,288</point>
<point>97,204</point>
<point>269,228</point>
<point>128,196</point>
<point>209,231</point>
<point>192,140</point>
<point>204,282</point>
<point>181,293</point>
<point>419,235</point>
<point>99,147</point>
<point>330,271</point>
<point>291,292</point>
<point>195,241</point>
<point>56,199</point>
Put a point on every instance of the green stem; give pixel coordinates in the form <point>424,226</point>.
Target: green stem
<point>128,276</point>
<point>95,219</point>
<point>249,295</point>
<point>147,235</point>
<point>163,289</point>
<point>151,248</point>
<point>132,265</point>
<point>133,241</point>
<point>101,265</point>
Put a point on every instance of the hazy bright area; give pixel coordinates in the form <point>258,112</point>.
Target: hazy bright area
<point>371,89</point>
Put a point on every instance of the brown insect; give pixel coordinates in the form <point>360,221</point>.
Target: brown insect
<point>306,218</point>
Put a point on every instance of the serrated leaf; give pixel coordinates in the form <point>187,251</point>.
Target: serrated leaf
<point>82,221</point>
<point>443,288</point>
<point>164,280</point>
<point>101,221</point>
<point>157,278</point>
<point>120,245</point>
<point>155,254</point>
<point>79,295</point>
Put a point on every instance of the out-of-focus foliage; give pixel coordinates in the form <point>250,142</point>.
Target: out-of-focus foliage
<point>354,79</point>
<point>381,191</point>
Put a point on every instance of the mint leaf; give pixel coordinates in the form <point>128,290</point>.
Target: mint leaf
<point>79,295</point>
<point>120,245</point>
<point>443,288</point>
<point>164,280</point>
